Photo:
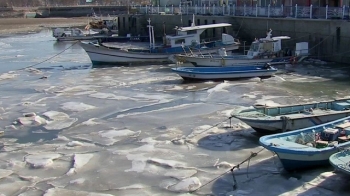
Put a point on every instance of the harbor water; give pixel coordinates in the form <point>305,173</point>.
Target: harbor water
<point>142,130</point>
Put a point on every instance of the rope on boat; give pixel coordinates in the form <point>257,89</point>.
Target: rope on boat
<point>252,155</point>
<point>49,58</point>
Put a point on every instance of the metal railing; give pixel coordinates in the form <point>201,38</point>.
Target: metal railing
<point>311,12</point>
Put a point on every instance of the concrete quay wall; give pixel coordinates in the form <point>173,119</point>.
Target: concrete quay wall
<point>328,39</point>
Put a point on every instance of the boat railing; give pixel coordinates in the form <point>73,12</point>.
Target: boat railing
<point>278,110</point>
<point>281,110</point>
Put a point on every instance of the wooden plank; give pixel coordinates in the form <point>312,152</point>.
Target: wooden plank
<point>344,125</point>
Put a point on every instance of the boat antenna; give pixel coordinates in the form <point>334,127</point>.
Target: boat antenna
<point>181,18</point>
<point>150,33</point>
<point>164,29</point>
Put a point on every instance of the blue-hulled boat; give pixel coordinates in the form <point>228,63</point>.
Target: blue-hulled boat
<point>273,119</point>
<point>341,161</point>
<point>311,146</point>
<point>216,73</point>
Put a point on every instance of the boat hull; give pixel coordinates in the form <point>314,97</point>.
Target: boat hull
<point>224,61</point>
<point>75,38</point>
<point>293,162</point>
<point>103,55</point>
<point>269,126</point>
<point>221,73</point>
<point>341,161</point>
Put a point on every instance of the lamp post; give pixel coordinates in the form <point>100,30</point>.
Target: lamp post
<point>128,2</point>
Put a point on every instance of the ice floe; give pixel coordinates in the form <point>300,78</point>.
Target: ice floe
<point>134,186</point>
<point>220,87</point>
<point>180,174</point>
<point>60,124</point>
<point>186,185</point>
<point>77,181</point>
<point>76,106</point>
<point>113,136</point>
<point>90,122</point>
<point>32,120</point>
<point>80,160</point>
<point>6,76</point>
<point>100,95</point>
<point>166,163</point>
<point>55,115</point>
<point>41,160</point>
<point>60,192</point>
<point>4,173</point>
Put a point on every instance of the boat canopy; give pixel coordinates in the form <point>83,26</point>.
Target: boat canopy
<point>201,27</point>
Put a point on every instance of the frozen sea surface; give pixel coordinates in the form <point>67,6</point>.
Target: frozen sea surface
<point>142,130</point>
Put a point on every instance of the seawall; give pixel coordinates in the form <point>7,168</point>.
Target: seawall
<point>328,39</point>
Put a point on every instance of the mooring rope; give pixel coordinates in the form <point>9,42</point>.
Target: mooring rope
<point>252,155</point>
<point>49,58</point>
<point>217,124</point>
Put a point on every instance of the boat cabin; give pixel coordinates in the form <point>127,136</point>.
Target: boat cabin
<point>266,47</point>
<point>67,32</point>
<point>190,36</point>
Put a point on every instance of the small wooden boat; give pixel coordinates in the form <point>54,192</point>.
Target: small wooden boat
<point>341,161</point>
<point>215,73</point>
<point>273,119</point>
<point>311,146</point>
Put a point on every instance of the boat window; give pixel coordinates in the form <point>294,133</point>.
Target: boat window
<point>179,41</point>
<point>254,47</point>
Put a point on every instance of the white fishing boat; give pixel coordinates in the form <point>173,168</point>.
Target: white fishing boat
<point>273,119</point>
<point>261,51</point>
<point>72,34</point>
<point>186,37</point>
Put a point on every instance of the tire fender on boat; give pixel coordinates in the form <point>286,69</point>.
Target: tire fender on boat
<point>284,123</point>
<point>222,61</point>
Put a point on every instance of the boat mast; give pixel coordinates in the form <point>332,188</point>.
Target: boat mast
<point>193,23</point>
<point>151,34</point>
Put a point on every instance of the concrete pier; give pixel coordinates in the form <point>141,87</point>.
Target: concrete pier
<point>328,39</point>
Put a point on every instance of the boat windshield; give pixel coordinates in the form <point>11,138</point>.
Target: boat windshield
<point>254,47</point>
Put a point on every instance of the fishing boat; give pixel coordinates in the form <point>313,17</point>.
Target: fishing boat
<point>75,34</point>
<point>218,73</point>
<point>309,147</point>
<point>71,34</point>
<point>261,51</point>
<point>341,161</point>
<point>273,119</point>
<point>174,44</point>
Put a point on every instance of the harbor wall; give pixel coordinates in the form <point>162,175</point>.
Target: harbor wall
<point>328,40</point>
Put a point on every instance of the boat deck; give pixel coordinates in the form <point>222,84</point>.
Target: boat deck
<point>316,112</point>
<point>288,144</point>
